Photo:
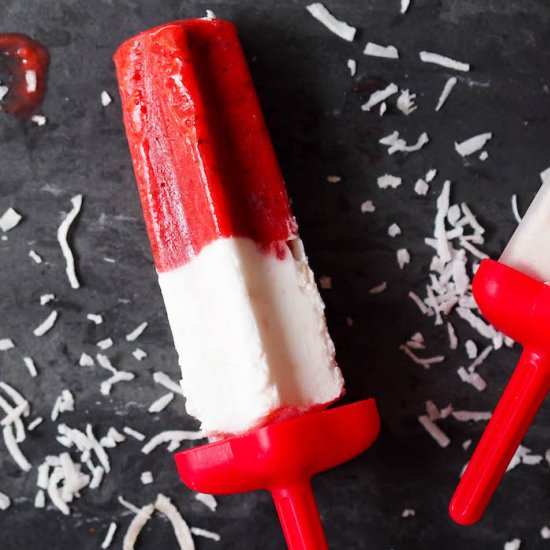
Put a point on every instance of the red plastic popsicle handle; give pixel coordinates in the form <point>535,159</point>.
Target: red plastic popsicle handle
<point>519,306</point>
<point>282,458</point>
<point>299,516</point>
<point>515,412</point>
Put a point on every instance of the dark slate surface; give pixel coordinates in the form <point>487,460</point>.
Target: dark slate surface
<point>313,109</point>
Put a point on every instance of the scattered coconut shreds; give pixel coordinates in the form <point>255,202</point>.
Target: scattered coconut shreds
<point>46,325</point>
<point>545,532</point>
<point>139,354</point>
<point>136,525</point>
<point>434,430</point>
<point>208,500</point>
<point>35,423</point>
<point>425,362</point>
<point>405,5</point>
<point>378,289</point>
<point>379,96</point>
<point>334,179</point>
<point>95,318</point>
<point>5,501</point>
<point>325,282</point>
<point>367,207</point>
<point>403,258</point>
<point>447,62</point>
<point>446,92</point>
<point>484,155</point>
<point>133,433</point>
<point>3,91</point>
<point>9,219</point>
<point>405,102</point>
<point>35,257</point>
<point>172,437</point>
<point>430,175</point>
<point>376,50</point>
<point>472,378</point>
<point>105,98</point>
<point>421,187</point>
<point>161,403</point>
<point>14,450</point>
<point>383,108</point>
<point>137,332</point>
<point>471,349</point>
<point>40,499</point>
<point>432,411</point>
<point>64,403</point>
<point>472,416</point>
<point>46,298</point>
<point>181,529</point>
<point>515,210</point>
<point>453,340</point>
<point>6,344</point>
<point>352,67</point>
<point>119,376</point>
<point>523,455</point>
<point>205,533</point>
<point>39,120</point>
<point>395,143</point>
<point>408,513</point>
<point>387,180</point>
<point>513,544</point>
<point>466,444</point>
<point>164,380</point>
<point>394,230</point>
<point>340,28</point>
<point>62,234</point>
<point>473,144</point>
<point>105,343</point>
<point>86,360</point>
<point>146,478</point>
<point>109,535</point>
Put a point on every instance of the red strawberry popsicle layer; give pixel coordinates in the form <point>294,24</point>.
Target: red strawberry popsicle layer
<point>245,313</point>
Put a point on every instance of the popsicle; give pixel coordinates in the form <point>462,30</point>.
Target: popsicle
<point>258,365</point>
<point>514,295</point>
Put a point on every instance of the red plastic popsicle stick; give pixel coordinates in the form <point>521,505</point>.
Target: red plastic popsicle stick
<point>519,306</point>
<point>282,458</point>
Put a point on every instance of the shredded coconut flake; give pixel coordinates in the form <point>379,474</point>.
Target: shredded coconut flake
<point>86,360</point>
<point>46,298</point>
<point>161,403</point>
<point>395,143</point>
<point>46,325</point>
<point>545,532</point>
<point>405,102</point>
<point>473,144</point>
<point>446,92</point>
<point>352,67</point>
<point>62,234</point>
<point>340,28</point>
<point>408,513</point>
<point>30,81</point>
<point>9,219</point>
<point>95,318</point>
<point>434,430</point>
<point>105,344</point>
<point>387,180</point>
<point>6,344</point>
<point>367,207</point>
<point>181,529</point>
<point>208,500</point>
<point>5,501</point>
<point>515,210</point>
<point>421,187</point>
<point>394,230</point>
<point>205,533</point>
<point>139,354</point>
<point>172,437</point>
<point>133,433</point>
<point>146,478</point>
<point>35,257</point>
<point>39,120</point>
<point>105,98</point>
<point>403,258</point>
<point>109,535</point>
<point>379,288</point>
<point>447,62</point>
<point>137,332</point>
<point>405,5</point>
<point>376,50</point>
<point>513,544</point>
<point>379,96</point>
<point>471,416</point>
<point>136,525</point>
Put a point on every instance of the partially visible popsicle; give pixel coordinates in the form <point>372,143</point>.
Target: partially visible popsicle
<point>514,295</point>
<point>243,306</point>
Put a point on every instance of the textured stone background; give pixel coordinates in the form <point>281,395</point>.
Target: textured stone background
<point>313,110</point>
